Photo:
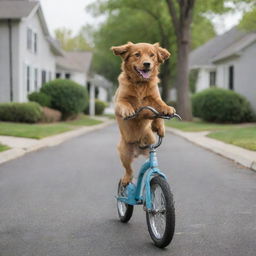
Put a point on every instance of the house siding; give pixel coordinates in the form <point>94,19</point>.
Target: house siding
<point>5,86</point>
<point>4,62</point>
<point>42,60</point>
<point>75,76</point>
<point>245,74</point>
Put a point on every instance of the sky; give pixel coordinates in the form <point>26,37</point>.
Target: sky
<point>71,14</point>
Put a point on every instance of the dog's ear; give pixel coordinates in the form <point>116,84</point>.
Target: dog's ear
<point>162,53</point>
<point>123,50</point>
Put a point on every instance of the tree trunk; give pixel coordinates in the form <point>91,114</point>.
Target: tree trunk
<point>165,78</point>
<point>182,85</point>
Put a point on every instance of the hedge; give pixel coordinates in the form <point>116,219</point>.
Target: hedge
<point>221,106</point>
<point>30,112</point>
<point>99,107</point>
<point>66,96</point>
<point>41,98</point>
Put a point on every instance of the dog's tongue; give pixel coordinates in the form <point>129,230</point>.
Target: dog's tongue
<point>145,74</point>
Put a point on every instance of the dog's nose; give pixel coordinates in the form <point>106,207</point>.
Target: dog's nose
<point>146,64</point>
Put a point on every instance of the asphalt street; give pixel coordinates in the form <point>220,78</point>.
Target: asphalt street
<point>60,202</point>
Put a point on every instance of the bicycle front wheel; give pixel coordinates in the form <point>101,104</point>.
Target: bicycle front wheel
<point>161,220</point>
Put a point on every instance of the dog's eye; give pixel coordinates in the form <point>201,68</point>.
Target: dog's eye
<point>152,55</point>
<point>137,54</point>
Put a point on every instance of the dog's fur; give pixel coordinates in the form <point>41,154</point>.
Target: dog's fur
<point>138,87</point>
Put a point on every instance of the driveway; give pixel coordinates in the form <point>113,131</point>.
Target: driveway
<point>60,202</point>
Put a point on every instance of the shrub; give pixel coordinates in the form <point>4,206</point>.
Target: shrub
<point>50,115</point>
<point>41,98</point>
<point>30,112</point>
<point>67,96</point>
<point>220,105</point>
<point>99,107</point>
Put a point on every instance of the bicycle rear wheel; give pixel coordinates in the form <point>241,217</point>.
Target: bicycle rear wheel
<point>124,210</point>
<point>161,220</point>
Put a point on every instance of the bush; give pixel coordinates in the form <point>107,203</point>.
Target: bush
<point>220,105</point>
<point>30,112</point>
<point>41,98</point>
<point>99,107</point>
<point>66,96</point>
<point>50,115</point>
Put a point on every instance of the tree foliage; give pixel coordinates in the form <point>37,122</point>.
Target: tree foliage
<point>248,21</point>
<point>69,42</point>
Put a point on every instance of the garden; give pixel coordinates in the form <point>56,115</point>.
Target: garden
<point>59,106</point>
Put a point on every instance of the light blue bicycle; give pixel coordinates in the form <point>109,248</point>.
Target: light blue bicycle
<point>153,192</point>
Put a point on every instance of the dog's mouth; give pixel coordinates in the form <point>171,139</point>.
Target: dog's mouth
<point>145,73</point>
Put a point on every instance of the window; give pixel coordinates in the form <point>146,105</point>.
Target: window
<point>58,75</point>
<point>231,77</point>
<point>67,76</point>
<point>36,79</point>
<point>212,78</point>
<point>43,77</point>
<point>28,79</point>
<point>29,39</point>
<point>35,42</point>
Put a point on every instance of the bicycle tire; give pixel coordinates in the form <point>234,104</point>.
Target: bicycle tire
<point>167,236</point>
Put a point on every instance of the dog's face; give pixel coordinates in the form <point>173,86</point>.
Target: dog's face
<point>141,61</point>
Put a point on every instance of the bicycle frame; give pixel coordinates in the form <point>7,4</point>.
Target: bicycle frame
<point>148,170</point>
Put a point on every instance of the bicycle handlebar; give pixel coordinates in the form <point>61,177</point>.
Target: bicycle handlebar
<point>157,115</point>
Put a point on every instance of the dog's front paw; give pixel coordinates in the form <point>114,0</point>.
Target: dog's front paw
<point>167,110</point>
<point>126,112</point>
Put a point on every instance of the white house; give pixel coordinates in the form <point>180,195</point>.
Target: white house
<point>27,52</point>
<point>227,61</point>
<point>74,65</point>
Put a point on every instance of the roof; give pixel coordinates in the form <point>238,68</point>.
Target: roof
<point>16,9</point>
<point>75,61</point>
<point>101,81</point>
<point>221,47</point>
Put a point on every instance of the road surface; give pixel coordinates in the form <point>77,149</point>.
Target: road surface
<point>60,202</point>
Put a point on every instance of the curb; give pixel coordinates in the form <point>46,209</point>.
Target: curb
<point>242,156</point>
<point>50,141</point>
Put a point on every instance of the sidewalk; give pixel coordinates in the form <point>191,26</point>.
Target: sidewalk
<point>21,146</point>
<point>242,156</point>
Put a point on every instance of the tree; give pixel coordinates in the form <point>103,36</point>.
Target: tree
<point>249,20</point>
<point>138,21</point>
<point>69,42</point>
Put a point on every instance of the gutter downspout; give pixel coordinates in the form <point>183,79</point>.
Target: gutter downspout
<point>10,58</point>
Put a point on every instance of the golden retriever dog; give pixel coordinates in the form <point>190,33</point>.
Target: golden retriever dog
<point>138,86</point>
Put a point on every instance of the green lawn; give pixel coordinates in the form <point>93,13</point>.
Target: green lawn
<point>84,121</point>
<point>243,137</point>
<point>38,131</point>
<point>3,148</point>
<point>197,126</point>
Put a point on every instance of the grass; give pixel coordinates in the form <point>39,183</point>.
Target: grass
<point>38,131</point>
<point>110,116</point>
<point>197,125</point>
<point>84,121</point>
<point>3,148</point>
<point>243,137</point>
